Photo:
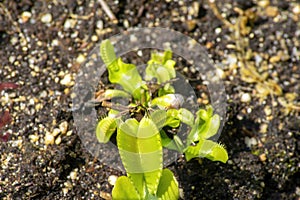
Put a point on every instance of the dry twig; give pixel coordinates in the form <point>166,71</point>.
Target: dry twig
<point>108,11</point>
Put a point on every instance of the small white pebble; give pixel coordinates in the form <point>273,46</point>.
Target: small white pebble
<point>245,98</point>
<point>14,40</point>
<point>126,23</point>
<point>33,138</point>
<point>99,24</point>
<point>63,127</point>
<point>296,9</point>
<point>268,110</point>
<point>221,73</point>
<point>263,3</point>
<point>65,191</point>
<point>133,38</point>
<point>58,140</point>
<point>54,42</point>
<point>49,139</point>
<point>263,128</point>
<point>46,18</point>
<point>140,53</point>
<point>67,24</point>
<point>250,141</point>
<point>73,175</point>
<point>68,184</point>
<point>80,59</point>
<point>43,94</point>
<point>218,30</point>
<point>94,38</point>
<point>69,133</point>
<point>112,179</point>
<point>67,80</point>
<point>12,59</point>
<point>25,16</point>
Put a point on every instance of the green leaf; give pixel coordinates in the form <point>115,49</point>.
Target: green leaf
<point>119,72</point>
<point>165,140</point>
<point>166,90</point>
<point>186,116</point>
<point>172,118</point>
<point>218,153</point>
<point>214,124</point>
<point>206,125</point>
<point>109,94</point>
<point>161,67</point>
<point>141,151</point>
<point>174,144</point>
<point>168,186</point>
<point>159,118</point>
<point>208,149</point>
<point>107,52</point>
<point>124,189</point>
<point>162,75</point>
<point>160,58</point>
<point>105,128</point>
<point>126,75</point>
<point>113,113</point>
<point>168,101</point>
<point>139,183</point>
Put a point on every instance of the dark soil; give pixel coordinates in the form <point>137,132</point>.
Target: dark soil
<point>43,43</point>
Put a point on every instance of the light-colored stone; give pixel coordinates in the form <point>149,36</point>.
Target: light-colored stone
<point>49,139</point>
<point>73,175</point>
<point>250,141</point>
<point>25,16</point>
<point>69,133</point>
<point>67,80</point>
<point>69,23</point>
<point>263,3</point>
<point>33,138</point>
<point>263,157</point>
<point>46,18</point>
<point>55,132</point>
<point>263,128</point>
<point>272,11</point>
<point>296,9</point>
<point>246,98</point>
<point>58,140</point>
<point>80,59</point>
<point>268,110</point>
<point>112,179</point>
<point>63,127</point>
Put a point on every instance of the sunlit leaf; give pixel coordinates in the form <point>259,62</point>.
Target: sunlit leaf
<point>109,94</point>
<point>159,118</point>
<point>206,125</point>
<point>168,186</point>
<point>186,116</point>
<point>105,128</point>
<point>161,67</point>
<point>172,118</point>
<point>208,149</point>
<point>124,189</point>
<point>138,144</point>
<point>119,72</point>
<point>168,101</point>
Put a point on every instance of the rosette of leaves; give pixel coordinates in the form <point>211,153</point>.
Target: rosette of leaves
<point>140,140</point>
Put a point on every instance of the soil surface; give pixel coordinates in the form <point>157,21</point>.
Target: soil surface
<point>254,44</point>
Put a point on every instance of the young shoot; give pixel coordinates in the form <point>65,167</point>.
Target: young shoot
<point>155,107</point>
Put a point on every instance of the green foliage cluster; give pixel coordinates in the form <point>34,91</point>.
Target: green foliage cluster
<point>141,140</point>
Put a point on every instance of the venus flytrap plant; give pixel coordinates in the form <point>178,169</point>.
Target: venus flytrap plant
<point>141,140</point>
